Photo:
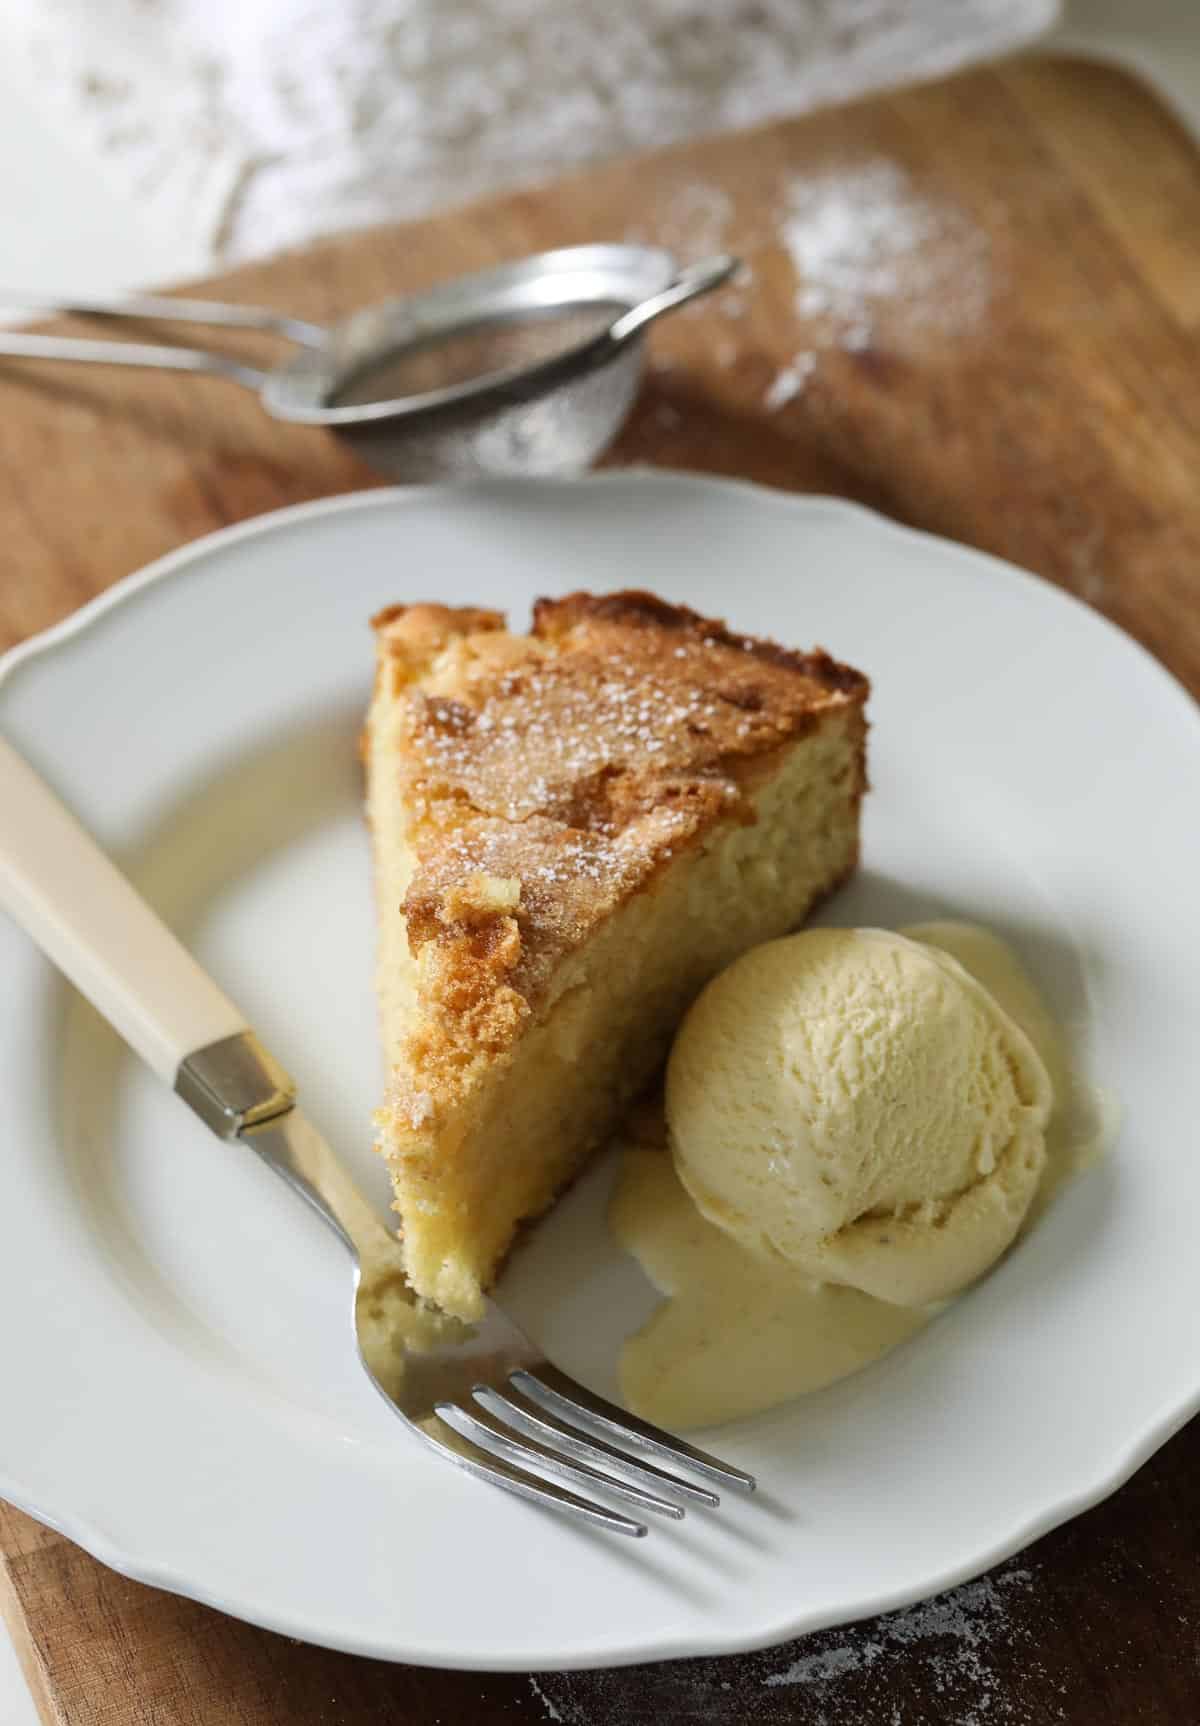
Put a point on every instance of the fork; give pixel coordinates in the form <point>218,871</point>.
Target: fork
<point>483,1396</point>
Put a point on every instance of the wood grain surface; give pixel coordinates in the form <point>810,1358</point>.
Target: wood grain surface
<point>1015,365</point>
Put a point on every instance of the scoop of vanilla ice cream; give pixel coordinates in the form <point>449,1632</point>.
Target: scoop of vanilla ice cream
<point>854,1102</point>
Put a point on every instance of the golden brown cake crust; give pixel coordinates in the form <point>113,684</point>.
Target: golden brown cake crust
<point>552,775</point>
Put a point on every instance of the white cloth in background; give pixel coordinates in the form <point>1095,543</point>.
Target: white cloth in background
<point>244,125</point>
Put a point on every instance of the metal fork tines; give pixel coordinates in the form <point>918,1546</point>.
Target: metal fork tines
<point>542,1422</point>
<point>482,1394</point>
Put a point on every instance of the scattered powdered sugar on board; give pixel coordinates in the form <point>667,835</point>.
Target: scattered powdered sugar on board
<point>972,1647</point>
<point>550,1711</point>
<point>789,382</point>
<point>866,245</point>
<point>863,236</point>
<point>868,248</point>
<point>957,1631</point>
<point>695,221</point>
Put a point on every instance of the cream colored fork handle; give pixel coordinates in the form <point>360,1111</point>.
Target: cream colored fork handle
<point>58,884</point>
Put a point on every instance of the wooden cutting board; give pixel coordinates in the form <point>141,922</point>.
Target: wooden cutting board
<point>993,336</point>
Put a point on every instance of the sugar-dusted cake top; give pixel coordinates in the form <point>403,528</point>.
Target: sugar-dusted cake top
<point>549,776</point>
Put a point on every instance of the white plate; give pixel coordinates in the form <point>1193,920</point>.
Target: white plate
<point>179,1391</point>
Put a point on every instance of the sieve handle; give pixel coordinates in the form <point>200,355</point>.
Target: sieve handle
<point>162,308</point>
<point>689,284</point>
